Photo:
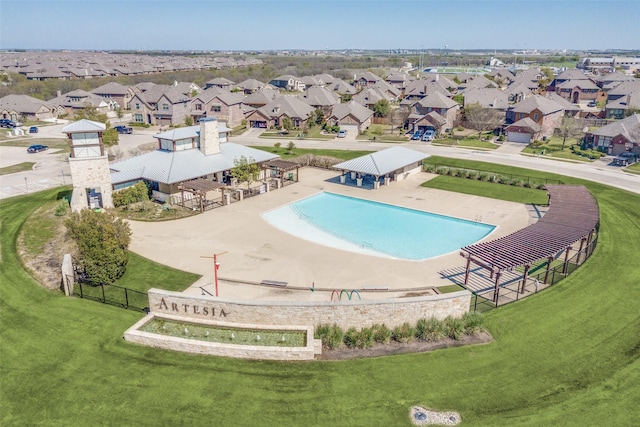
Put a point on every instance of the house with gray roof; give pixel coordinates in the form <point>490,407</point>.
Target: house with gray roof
<point>620,108</point>
<point>272,114</point>
<point>161,105</point>
<point>320,98</point>
<point>524,130</point>
<point>288,82</point>
<point>341,87</point>
<point>370,96</point>
<point>25,107</point>
<point>545,112</point>
<point>250,85</point>
<point>487,98</point>
<point>365,79</point>
<point>185,154</point>
<point>619,137</point>
<point>220,82</point>
<point>439,103</point>
<point>224,105</point>
<point>79,99</point>
<point>261,97</point>
<point>116,92</point>
<point>351,114</point>
<point>578,91</point>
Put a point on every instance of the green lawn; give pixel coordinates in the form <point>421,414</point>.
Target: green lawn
<point>634,168</point>
<point>471,141</point>
<point>53,143</point>
<point>552,148</point>
<point>567,356</point>
<point>285,153</point>
<point>143,274</point>
<point>489,189</point>
<point>20,167</point>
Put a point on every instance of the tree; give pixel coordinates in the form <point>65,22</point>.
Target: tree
<point>110,137</point>
<point>287,123</point>
<point>102,240</point>
<point>482,119</point>
<point>319,116</point>
<point>245,170</point>
<point>569,128</point>
<point>399,117</point>
<point>381,108</point>
<point>548,77</point>
<point>188,121</point>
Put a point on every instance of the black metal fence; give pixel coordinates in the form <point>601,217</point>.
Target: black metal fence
<point>488,176</point>
<point>542,279</point>
<point>113,295</point>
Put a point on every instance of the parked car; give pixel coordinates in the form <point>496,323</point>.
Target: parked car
<point>33,129</point>
<point>417,135</point>
<point>342,133</point>
<point>428,136</point>
<point>8,123</point>
<point>37,148</point>
<point>592,104</point>
<point>124,129</point>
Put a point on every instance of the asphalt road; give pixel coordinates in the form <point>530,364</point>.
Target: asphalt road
<point>52,170</point>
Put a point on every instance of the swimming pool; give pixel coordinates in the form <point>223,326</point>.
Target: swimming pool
<point>374,228</point>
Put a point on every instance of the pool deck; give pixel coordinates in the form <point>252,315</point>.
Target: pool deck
<point>257,251</point>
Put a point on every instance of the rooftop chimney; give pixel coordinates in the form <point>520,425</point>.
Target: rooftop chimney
<point>209,136</point>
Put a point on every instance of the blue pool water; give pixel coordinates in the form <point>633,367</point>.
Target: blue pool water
<point>371,227</point>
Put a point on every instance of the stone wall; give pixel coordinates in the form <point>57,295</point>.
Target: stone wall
<point>90,173</point>
<point>186,345</point>
<point>346,314</point>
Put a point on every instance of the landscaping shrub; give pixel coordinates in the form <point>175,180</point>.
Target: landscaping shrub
<point>351,337</point>
<point>472,323</point>
<point>454,327</point>
<point>430,329</point>
<point>403,333</point>
<point>102,240</point>
<point>136,193</point>
<point>62,208</point>
<point>381,333</point>
<point>483,176</point>
<point>331,336</point>
<point>365,338</point>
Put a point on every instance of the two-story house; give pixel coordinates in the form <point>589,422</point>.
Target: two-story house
<point>273,114</point>
<point>289,83</point>
<point>215,102</point>
<point>544,113</point>
<point>116,92</point>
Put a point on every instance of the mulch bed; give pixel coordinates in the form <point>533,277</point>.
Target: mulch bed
<point>377,350</point>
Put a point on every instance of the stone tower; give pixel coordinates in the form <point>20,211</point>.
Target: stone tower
<point>89,166</point>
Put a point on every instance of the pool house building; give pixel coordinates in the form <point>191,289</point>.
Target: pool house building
<point>184,155</point>
<point>392,164</point>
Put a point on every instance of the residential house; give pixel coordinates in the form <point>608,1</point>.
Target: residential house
<point>320,98</point>
<point>216,102</point>
<point>487,98</point>
<point>545,112</point>
<point>399,80</point>
<point>342,88</point>
<point>578,91</point>
<point>116,92</point>
<point>273,114</point>
<point>289,83</point>
<point>185,154</point>
<point>392,92</point>
<point>502,76</point>
<point>608,81</point>
<point>479,82</point>
<point>440,104</point>
<point>621,107</point>
<point>524,130</point>
<point>261,97</point>
<point>79,99</point>
<point>351,114</point>
<point>519,90</point>
<point>25,107</point>
<point>220,82</point>
<point>161,105</point>
<point>250,85</point>
<point>370,96</point>
<point>619,137</point>
<point>430,121</point>
<point>364,80</point>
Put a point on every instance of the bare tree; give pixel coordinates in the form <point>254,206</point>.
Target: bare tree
<point>569,128</point>
<point>482,119</point>
<point>399,117</point>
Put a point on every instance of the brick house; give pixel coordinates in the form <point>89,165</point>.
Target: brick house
<point>272,114</point>
<point>116,92</point>
<point>545,112</point>
<point>351,114</point>
<point>619,137</point>
<point>216,102</point>
<point>160,105</point>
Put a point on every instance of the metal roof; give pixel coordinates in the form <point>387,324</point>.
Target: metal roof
<point>573,213</point>
<point>382,162</point>
<point>172,167</point>
<point>84,125</point>
<point>187,132</point>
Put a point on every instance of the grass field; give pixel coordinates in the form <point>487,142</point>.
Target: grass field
<point>285,153</point>
<point>552,147</point>
<point>20,167</point>
<point>466,142</point>
<point>567,356</point>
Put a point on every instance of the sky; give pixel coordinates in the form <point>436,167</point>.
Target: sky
<point>318,24</point>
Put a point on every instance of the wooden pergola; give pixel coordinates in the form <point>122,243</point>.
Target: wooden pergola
<point>572,217</point>
<point>281,167</point>
<point>199,188</point>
